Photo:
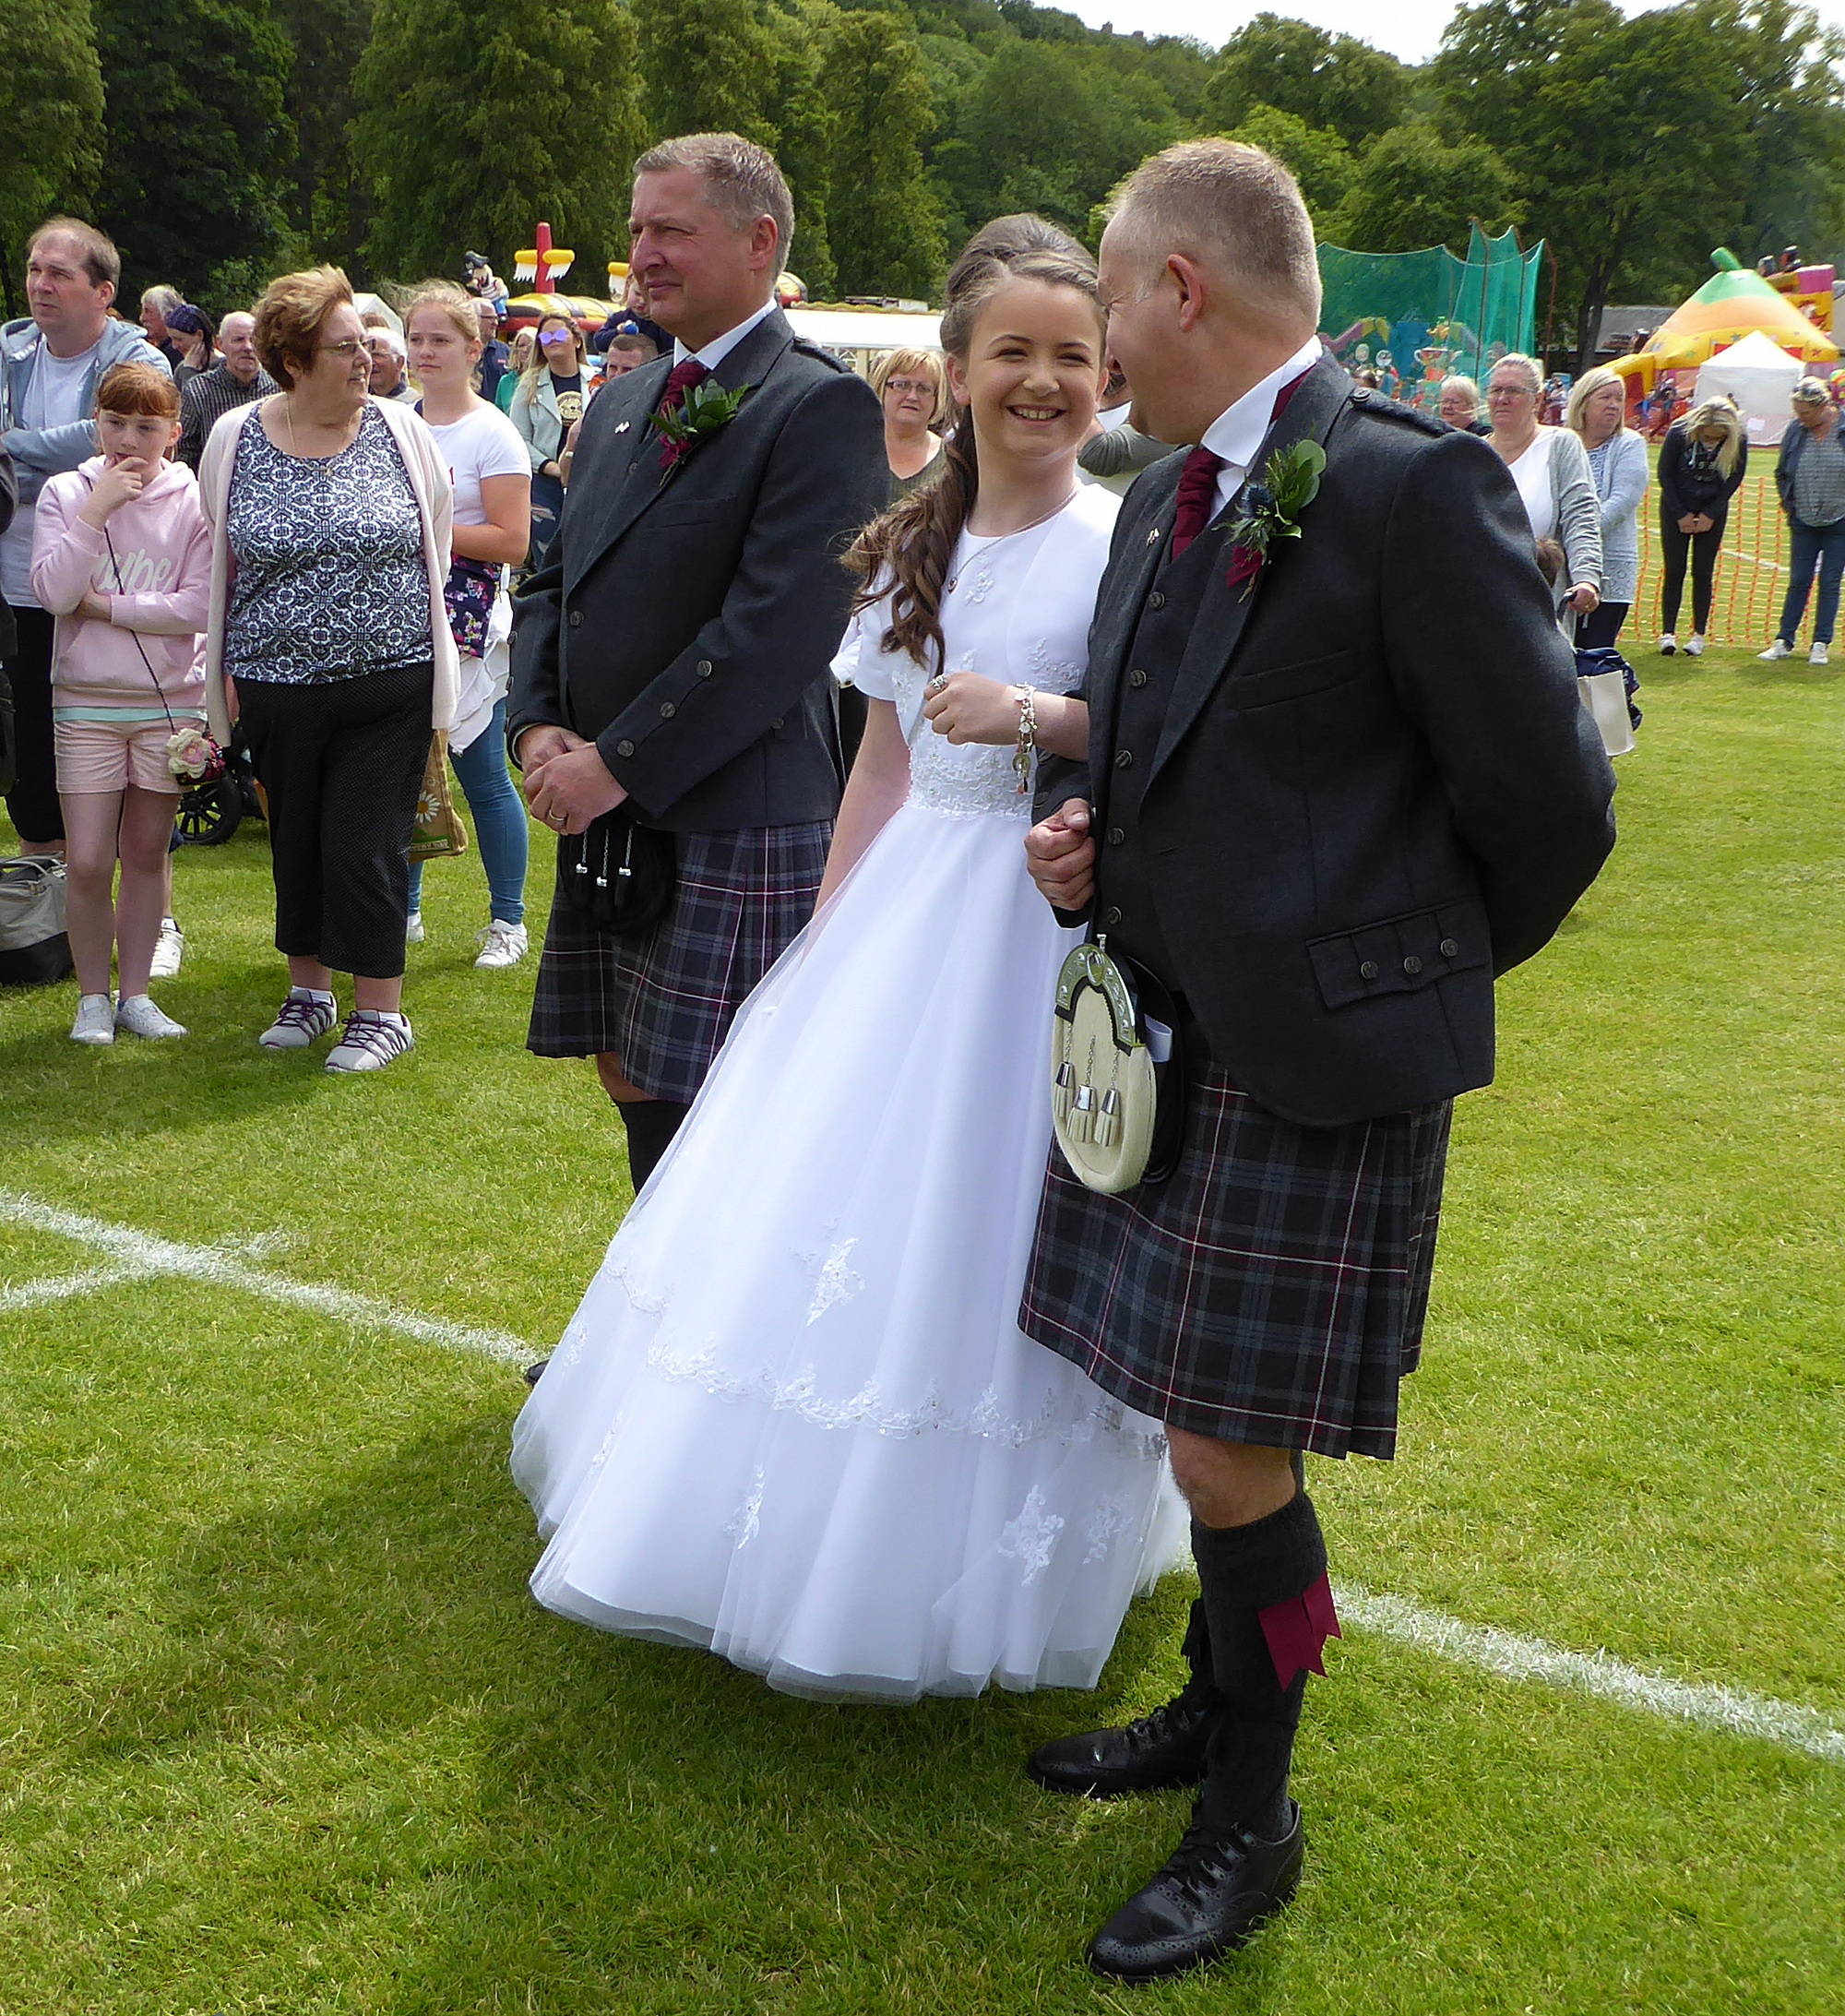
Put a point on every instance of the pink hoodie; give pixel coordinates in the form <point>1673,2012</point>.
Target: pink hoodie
<point>164,550</point>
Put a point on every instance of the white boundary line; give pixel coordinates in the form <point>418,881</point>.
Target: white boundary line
<point>137,1255</point>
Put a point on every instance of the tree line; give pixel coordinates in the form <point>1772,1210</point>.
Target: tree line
<point>220,141</point>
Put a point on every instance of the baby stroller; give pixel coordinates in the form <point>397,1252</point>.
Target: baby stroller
<point>210,813</point>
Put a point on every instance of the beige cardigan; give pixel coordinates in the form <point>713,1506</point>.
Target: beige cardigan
<point>428,478</point>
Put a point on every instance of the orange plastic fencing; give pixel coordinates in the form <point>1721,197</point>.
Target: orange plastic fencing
<point>1752,564</point>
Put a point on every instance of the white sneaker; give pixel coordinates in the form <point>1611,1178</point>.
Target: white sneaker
<point>303,1019</point>
<point>1694,646</point>
<point>1777,651</point>
<point>414,928</point>
<point>1817,655</point>
<point>1668,645</point>
<point>168,950</point>
<point>95,1020</point>
<point>370,1040</point>
<point>137,1014</point>
<point>502,944</point>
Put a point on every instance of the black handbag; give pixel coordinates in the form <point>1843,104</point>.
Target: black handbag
<point>617,872</point>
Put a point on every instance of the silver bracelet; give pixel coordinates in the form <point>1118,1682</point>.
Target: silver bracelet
<point>1028,736</point>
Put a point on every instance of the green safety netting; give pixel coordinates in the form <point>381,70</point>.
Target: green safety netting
<point>1429,313</point>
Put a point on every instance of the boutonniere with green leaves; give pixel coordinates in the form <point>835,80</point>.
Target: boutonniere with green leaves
<point>1270,509</point>
<point>706,410</point>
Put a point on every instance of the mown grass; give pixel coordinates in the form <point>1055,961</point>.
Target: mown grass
<point>283,1733</point>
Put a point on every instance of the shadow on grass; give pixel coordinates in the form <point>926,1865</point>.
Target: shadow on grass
<point>609,1816</point>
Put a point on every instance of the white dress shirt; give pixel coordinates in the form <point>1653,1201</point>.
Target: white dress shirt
<point>1236,433</point>
<point>719,347</point>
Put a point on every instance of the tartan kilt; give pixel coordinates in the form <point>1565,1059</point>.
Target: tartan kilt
<point>662,1000</point>
<point>1272,1290</point>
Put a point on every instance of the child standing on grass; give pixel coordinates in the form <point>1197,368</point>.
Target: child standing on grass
<point>122,557</point>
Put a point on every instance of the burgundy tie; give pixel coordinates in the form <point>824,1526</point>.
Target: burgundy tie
<point>679,381</point>
<point>1196,494</point>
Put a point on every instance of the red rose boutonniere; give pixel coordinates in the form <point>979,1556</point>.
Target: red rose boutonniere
<point>1271,510</point>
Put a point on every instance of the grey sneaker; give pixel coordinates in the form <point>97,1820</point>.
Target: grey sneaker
<point>502,944</point>
<point>137,1014</point>
<point>1817,655</point>
<point>1776,651</point>
<point>370,1040</point>
<point>1668,645</point>
<point>95,1020</point>
<point>413,933</point>
<point>301,1020</point>
<point>1694,646</point>
<point>169,950</point>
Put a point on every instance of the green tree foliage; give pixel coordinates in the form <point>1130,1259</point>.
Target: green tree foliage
<point>887,233</point>
<point>1624,135</point>
<point>474,127</point>
<point>1319,161</point>
<point>51,122</point>
<point>798,33</point>
<point>708,67</point>
<point>198,146</point>
<point>1324,79</point>
<point>328,196</point>
<point>1412,188</point>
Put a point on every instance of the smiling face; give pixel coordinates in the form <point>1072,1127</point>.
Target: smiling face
<point>1033,372</point>
<point>700,273</point>
<point>1143,333</point>
<point>137,437</point>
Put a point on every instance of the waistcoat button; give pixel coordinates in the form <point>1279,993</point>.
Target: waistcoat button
<point>1368,970</point>
<point>1110,915</point>
<point>1136,677</point>
<point>1449,949</point>
<point>576,619</point>
<point>703,668</point>
<point>1124,759</point>
<point>667,711</point>
<point>1412,964</point>
<point>1116,836</point>
<point>1156,599</point>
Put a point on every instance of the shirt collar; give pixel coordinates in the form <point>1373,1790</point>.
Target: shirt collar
<point>1235,434</point>
<point>719,347</point>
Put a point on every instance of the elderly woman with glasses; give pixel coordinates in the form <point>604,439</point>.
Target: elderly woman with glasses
<point>914,390</point>
<point>1810,476</point>
<point>331,513</point>
<point>1551,469</point>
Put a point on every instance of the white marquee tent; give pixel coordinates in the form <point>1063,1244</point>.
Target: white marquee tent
<point>1760,377</point>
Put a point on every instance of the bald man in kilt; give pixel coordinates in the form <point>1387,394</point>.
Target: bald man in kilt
<point>1339,779</point>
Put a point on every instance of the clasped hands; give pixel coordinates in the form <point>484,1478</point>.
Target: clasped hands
<point>565,783</point>
<point>1060,855</point>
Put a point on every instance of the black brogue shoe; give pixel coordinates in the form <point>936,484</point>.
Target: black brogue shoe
<point>1155,1753</point>
<point>1216,1890</point>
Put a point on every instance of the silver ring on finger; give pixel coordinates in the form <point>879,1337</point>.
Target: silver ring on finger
<point>938,683</point>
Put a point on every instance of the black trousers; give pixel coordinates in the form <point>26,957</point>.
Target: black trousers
<point>33,803</point>
<point>342,761</point>
<point>1702,547</point>
<point>1598,632</point>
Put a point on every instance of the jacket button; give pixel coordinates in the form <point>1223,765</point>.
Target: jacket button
<point>1116,836</point>
<point>1124,759</point>
<point>1156,599</point>
<point>703,668</point>
<point>1110,915</point>
<point>667,711</point>
<point>576,619</point>
<point>1412,964</point>
<point>1368,970</point>
<point>1136,677</point>
<point>1449,949</point>
<point>624,748</point>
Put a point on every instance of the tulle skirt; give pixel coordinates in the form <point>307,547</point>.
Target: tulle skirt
<point>794,1420</point>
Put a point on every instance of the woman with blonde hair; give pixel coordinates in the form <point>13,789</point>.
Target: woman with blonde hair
<point>1702,460</point>
<point>1551,469</point>
<point>1596,414</point>
<point>912,388</point>
<point>547,403</point>
<point>519,362</point>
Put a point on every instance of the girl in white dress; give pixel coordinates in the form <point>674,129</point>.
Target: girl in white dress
<point>794,1420</point>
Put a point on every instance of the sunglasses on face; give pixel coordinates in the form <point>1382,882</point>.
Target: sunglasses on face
<point>552,338</point>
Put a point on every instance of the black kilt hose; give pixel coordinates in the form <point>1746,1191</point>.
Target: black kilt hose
<point>1271,1290</point>
<point>662,1000</point>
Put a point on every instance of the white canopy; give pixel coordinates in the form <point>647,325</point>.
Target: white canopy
<point>1760,377</point>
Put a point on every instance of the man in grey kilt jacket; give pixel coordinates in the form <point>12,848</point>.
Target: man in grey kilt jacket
<point>1333,790</point>
<point>673,651</point>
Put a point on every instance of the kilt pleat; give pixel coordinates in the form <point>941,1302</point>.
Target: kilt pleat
<point>1272,1290</point>
<point>662,1000</point>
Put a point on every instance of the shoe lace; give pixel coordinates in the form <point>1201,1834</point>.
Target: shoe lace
<point>382,1039</point>
<point>1205,1857</point>
<point>1171,1721</point>
<point>297,1013</point>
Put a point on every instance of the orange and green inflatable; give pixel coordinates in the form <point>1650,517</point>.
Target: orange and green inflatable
<point>1732,303</point>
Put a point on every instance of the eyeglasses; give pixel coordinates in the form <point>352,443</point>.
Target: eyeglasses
<point>1510,392</point>
<point>348,350</point>
<point>921,388</point>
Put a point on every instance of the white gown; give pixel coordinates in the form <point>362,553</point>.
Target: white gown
<point>794,1420</point>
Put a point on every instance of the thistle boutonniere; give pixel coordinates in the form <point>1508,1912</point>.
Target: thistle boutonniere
<point>706,410</point>
<point>1270,509</point>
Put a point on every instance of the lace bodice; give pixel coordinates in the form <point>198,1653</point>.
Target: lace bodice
<point>1015,609</point>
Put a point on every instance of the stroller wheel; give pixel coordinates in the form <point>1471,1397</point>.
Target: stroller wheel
<point>209,814</point>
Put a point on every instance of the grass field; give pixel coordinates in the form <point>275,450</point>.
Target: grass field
<point>283,1733</point>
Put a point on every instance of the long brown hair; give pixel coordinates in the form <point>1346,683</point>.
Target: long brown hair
<point>906,552</point>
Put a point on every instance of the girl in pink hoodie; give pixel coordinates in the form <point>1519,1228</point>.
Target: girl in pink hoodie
<point>122,557</point>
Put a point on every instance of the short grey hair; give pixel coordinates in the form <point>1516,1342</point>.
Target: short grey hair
<point>1233,208</point>
<point>162,296</point>
<point>1528,368</point>
<point>1465,386</point>
<point>742,180</point>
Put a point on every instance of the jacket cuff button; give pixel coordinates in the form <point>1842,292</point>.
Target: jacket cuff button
<point>1412,964</point>
<point>624,748</point>
<point>1368,970</point>
<point>1449,949</point>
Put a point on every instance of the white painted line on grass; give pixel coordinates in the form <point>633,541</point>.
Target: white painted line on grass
<point>1599,1673</point>
<point>139,1255</point>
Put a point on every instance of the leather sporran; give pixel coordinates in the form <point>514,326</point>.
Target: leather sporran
<point>437,829</point>
<point>619,872</point>
<point>1115,1102</point>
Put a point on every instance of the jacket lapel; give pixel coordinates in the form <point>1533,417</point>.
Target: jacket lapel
<point>642,482</point>
<point>1225,610</point>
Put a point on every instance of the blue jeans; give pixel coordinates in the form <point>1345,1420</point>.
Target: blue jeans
<point>1813,545</point>
<point>499,820</point>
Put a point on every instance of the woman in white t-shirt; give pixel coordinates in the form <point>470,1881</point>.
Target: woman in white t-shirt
<point>492,474</point>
